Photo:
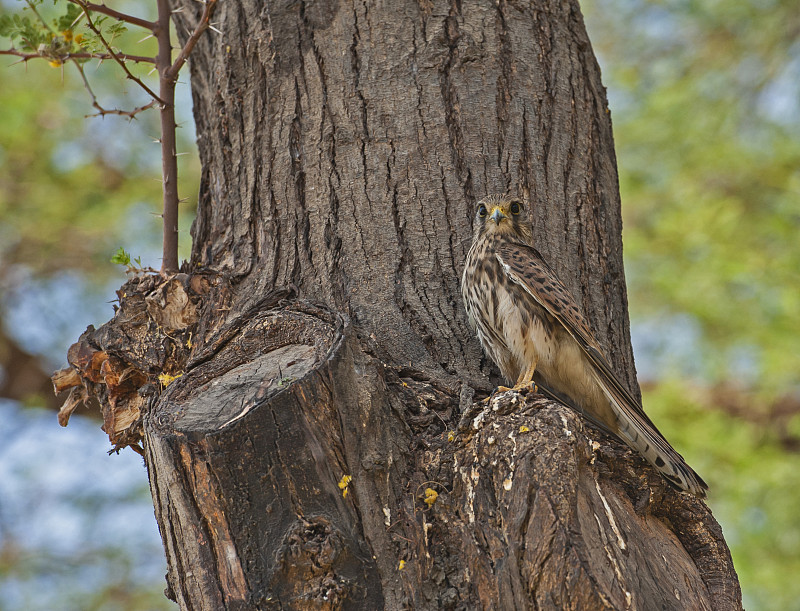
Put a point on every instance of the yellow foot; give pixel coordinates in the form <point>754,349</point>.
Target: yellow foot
<point>530,386</point>
<point>524,386</point>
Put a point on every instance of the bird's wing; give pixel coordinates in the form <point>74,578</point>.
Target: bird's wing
<point>526,267</point>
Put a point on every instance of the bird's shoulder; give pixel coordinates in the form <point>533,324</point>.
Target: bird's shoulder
<point>526,266</point>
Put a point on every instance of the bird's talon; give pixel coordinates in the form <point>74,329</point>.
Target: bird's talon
<point>524,386</point>
<point>497,390</point>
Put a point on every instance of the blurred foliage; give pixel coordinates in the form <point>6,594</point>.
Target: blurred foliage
<point>705,96</point>
<point>72,190</point>
<point>76,525</point>
<point>754,490</point>
<point>705,99</point>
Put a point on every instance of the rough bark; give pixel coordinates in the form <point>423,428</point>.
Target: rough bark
<point>318,330</point>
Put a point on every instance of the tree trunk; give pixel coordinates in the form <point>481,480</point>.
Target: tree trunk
<point>319,330</point>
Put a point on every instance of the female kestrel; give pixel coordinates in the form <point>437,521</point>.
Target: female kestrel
<point>530,326</point>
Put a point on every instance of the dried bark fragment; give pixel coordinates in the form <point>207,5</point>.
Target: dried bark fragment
<point>124,363</point>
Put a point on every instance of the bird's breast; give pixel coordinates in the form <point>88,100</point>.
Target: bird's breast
<point>513,328</point>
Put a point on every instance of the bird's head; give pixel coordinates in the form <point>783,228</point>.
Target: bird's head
<point>502,216</point>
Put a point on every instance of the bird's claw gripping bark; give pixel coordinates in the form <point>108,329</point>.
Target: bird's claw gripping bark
<point>524,386</point>
<point>530,386</point>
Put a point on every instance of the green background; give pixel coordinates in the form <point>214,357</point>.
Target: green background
<point>705,100</point>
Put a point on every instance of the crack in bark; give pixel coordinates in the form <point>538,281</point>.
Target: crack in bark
<point>297,155</point>
<point>415,74</point>
<point>355,65</point>
<point>452,107</point>
<point>503,89</point>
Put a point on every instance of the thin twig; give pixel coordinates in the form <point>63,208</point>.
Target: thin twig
<point>32,6</point>
<point>202,26</point>
<point>88,87</point>
<point>101,112</point>
<point>90,24</point>
<point>140,59</point>
<point>131,114</point>
<point>81,55</point>
<point>25,56</point>
<point>105,10</point>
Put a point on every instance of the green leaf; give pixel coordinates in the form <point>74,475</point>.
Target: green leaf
<point>66,21</point>
<point>6,25</point>
<point>116,28</point>
<point>121,257</point>
<point>17,26</point>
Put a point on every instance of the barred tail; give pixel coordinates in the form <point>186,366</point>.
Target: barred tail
<point>639,433</point>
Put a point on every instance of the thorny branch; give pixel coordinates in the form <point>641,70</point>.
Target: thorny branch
<point>105,10</point>
<point>202,26</point>
<point>103,111</point>
<point>101,56</point>
<point>168,75</point>
<point>90,24</point>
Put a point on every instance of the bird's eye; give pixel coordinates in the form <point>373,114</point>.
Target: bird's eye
<point>515,207</point>
<point>482,211</point>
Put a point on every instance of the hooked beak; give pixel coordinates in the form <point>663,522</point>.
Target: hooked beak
<point>497,216</point>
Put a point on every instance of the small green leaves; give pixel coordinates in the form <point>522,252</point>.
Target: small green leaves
<point>35,35</point>
<point>121,257</point>
<point>68,20</point>
<point>58,40</point>
<point>116,28</point>
<point>20,28</point>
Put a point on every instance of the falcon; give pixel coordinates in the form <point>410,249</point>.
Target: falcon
<point>531,327</point>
